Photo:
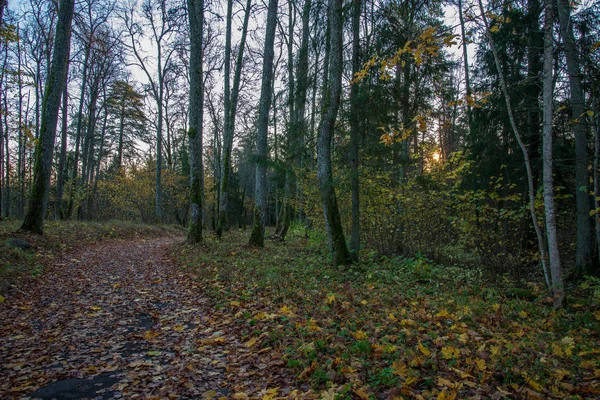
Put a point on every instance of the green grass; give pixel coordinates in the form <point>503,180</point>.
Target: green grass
<point>397,326</point>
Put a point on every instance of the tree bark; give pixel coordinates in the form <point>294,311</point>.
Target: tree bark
<point>465,64</point>
<point>292,135</point>
<point>260,195</point>
<point>34,220</point>
<point>231,96</point>
<point>354,133</point>
<point>196,112</point>
<point>337,242</point>
<point>558,292</point>
<point>60,184</point>
<point>583,254</point>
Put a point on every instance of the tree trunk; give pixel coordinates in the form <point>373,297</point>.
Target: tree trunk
<point>354,132</point>
<point>231,96</point>
<point>292,135</point>
<point>558,291</point>
<point>465,64</point>
<point>260,195</point>
<point>301,99</point>
<point>78,132</point>
<point>34,220</point>
<point>60,184</point>
<point>583,255</point>
<point>337,242</point>
<point>196,102</point>
<point>8,202</point>
<point>511,117</point>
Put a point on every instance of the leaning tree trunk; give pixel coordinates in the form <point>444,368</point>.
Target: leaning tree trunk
<point>523,147</point>
<point>583,254</point>
<point>34,219</point>
<point>558,291</point>
<point>196,20</point>
<point>257,237</point>
<point>333,223</point>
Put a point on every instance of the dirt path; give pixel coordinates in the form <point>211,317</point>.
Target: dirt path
<point>121,321</point>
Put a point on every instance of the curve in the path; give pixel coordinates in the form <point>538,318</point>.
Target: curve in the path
<point>119,321</point>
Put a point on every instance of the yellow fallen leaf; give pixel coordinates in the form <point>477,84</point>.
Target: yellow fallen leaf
<point>251,342</point>
<point>95,308</point>
<point>211,394</point>
<point>480,362</point>
<point>360,392</point>
<point>178,328</point>
<point>450,352</point>
<point>1,299</point>
<point>240,396</point>
<point>270,394</point>
<point>235,303</point>
<point>360,335</point>
<point>426,352</point>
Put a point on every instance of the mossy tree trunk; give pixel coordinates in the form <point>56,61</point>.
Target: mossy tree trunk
<point>196,101</point>
<point>335,232</point>
<point>57,79</point>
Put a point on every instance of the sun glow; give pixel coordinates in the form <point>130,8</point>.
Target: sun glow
<point>436,156</point>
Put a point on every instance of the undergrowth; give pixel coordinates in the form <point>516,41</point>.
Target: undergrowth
<point>399,327</point>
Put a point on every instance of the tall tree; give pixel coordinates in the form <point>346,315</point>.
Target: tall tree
<point>558,291</point>
<point>34,219</point>
<point>230,97</point>
<point>524,150</point>
<point>196,113</point>
<point>354,133</point>
<point>333,223</point>
<point>583,255</point>
<point>260,195</point>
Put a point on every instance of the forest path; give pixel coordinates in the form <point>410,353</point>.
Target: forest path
<point>119,321</point>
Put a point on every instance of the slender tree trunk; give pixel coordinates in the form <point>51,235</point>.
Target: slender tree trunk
<point>465,64</point>
<point>96,175</point>
<point>260,195</point>
<point>511,117</point>
<point>337,242</point>
<point>196,102</point>
<point>583,254</point>
<point>34,220</point>
<point>21,137</point>
<point>8,203</point>
<point>60,184</point>
<point>292,135</point>
<point>78,132</point>
<point>231,96</point>
<point>301,99</point>
<point>2,130</point>
<point>354,133</point>
<point>121,133</point>
<point>558,292</point>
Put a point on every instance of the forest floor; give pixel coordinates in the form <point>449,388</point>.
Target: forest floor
<point>151,317</point>
<point>121,321</point>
